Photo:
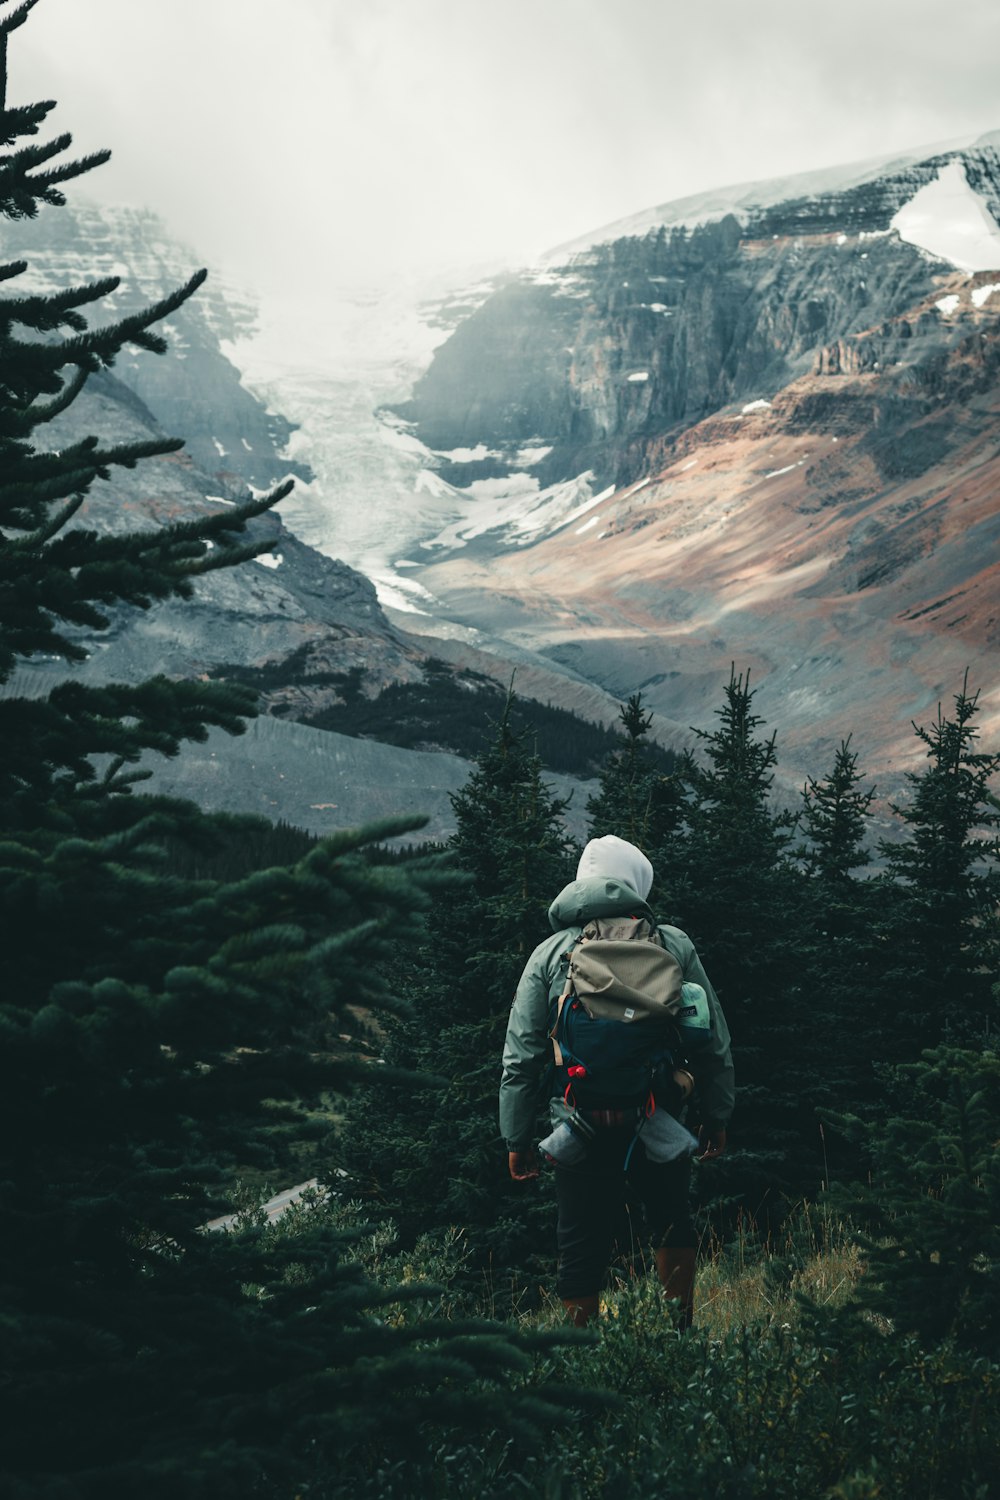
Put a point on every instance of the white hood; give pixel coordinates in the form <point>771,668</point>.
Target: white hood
<point>615,857</point>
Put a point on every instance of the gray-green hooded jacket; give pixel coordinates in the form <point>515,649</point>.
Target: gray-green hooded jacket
<point>527,1050</point>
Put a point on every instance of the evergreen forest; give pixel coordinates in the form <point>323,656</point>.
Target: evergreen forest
<point>198,1010</point>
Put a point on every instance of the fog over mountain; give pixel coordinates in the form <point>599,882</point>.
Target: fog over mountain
<point>325,143</point>
<point>754,426</point>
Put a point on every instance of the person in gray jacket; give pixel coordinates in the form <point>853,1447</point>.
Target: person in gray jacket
<point>613,880</point>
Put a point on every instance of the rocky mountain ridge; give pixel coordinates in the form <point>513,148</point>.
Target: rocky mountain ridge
<point>196,392</point>
<point>747,201</point>
<point>640,337</point>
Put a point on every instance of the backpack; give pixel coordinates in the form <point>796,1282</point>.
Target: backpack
<point>625,1017</point>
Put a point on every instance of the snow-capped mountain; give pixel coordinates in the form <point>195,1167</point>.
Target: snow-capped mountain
<point>587,364</point>
<point>746,200</point>
<point>766,436</point>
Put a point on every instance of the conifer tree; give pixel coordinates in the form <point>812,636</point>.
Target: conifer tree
<point>155,1025</point>
<point>436,1160</point>
<point>834,820</point>
<point>842,940</point>
<point>940,929</point>
<point>931,1206</point>
<point>844,1039</point>
<point>638,800</point>
<point>735,890</point>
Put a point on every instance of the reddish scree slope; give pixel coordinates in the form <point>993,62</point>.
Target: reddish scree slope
<point>850,559</point>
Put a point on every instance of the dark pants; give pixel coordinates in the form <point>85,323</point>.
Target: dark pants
<point>597,1197</point>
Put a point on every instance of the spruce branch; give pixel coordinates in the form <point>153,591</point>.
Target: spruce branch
<point>54,525</point>
<point>16,17</point>
<point>24,119</point>
<point>54,309</point>
<point>65,172</point>
<point>38,415</point>
<point>103,344</point>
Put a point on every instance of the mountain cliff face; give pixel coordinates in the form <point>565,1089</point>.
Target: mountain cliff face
<point>196,392</point>
<point>635,339</point>
<point>768,438</point>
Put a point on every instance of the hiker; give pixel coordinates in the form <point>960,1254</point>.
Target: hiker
<point>613,880</point>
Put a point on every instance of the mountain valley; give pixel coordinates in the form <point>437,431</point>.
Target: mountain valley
<point>756,428</point>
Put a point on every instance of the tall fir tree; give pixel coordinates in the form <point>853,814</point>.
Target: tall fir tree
<point>436,1160</point>
<point>735,889</point>
<point>639,798</point>
<point>835,823</point>
<point>155,1025</point>
<point>940,925</point>
<point>841,931</point>
<point>844,959</point>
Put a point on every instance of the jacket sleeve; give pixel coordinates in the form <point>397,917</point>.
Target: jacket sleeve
<point>526,1050</point>
<point>716,1077</point>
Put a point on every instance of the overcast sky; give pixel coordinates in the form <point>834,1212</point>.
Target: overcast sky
<point>290,140</point>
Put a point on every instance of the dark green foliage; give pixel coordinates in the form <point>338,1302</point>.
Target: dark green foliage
<point>942,888</point>
<point>143,1052</point>
<point>849,1028</point>
<point>641,796</point>
<point>512,841</point>
<point>932,1205</point>
<point>162,1019</point>
<point>240,844</point>
<point>734,888</point>
<point>451,709</point>
<point>834,820</point>
<point>429,1150</point>
<point>732,872</point>
<point>822,1405</point>
<point>287,671</point>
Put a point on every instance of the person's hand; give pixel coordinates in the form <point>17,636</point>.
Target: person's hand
<point>523,1165</point>
<point>711,1143</point>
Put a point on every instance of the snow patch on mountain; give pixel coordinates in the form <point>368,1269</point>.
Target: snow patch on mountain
<point>529,456</point>
<point>428,482</point>
<point>403,594</point>
<point>474,455</point>
<point>744,199</point>
<point>950,221</point>
<point>517,507</point>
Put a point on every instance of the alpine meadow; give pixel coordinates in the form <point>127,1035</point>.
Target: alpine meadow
<point>205,1003</point>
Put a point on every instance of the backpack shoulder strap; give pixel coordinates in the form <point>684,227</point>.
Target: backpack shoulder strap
<point>557,1006</point>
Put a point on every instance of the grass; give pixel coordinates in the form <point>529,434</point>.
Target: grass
<point>781,1391</point>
